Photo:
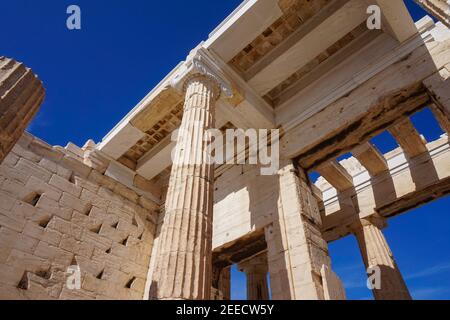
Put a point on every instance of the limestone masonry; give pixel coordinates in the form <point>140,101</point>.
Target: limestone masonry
<point>123,219</point>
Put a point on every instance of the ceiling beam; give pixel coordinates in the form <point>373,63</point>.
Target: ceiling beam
<point>412,143</point>
<point>397,20</point>
<point>371,159</point>
<point>252,17</point>
<point>438,8</point>
<point>442,119</point>
<point>408,184</point>
<point>369,109</point>
<point>254,108</point>
<point>336,175</point>
<point>323,30</point>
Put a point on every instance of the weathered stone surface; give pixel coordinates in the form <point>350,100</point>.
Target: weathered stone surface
<point>294,259</point>
<point>184,266</point>
<point>109,208</point>
<point>53,215</point>
<point>256,271</point>
<point>21,94</point>
<point>377,255</point>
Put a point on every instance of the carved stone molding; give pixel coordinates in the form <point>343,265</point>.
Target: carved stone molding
<point>202,64</point>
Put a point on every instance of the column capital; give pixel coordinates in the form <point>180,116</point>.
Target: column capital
<point>257,264</point>
<point>199,63</point>
<point>373,220</point>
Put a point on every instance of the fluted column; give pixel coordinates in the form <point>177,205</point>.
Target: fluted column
<point>183,268</point>
<point>21,94</point>
<point>256,272</point>
<point>376,253</point>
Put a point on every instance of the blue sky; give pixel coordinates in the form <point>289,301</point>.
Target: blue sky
<point>93,77</point>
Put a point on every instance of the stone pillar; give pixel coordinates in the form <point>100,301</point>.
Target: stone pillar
<point>296,249</point>
<point>184,266</point>
<point>21,94</point>
<point>256,272</point>
<point>376,254</point>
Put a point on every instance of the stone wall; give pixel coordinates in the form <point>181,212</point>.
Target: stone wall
<point>56,212</point>
<point>244,202</point>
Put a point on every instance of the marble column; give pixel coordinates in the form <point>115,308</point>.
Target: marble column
<point>21,95</point>
<point>183,266</point>
<point>377,255</point>
<point>256,273</point>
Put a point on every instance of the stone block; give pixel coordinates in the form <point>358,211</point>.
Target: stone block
<point>24,210</point>
<point>116,276</point>
<point>15,223</point>
<point>33,169</point>
<point>113,234</point>
<point>6,201</point>
<point>93,199</point>
<point>109,195</point>
<point>14,240</point>
<point>126,193</point>
<point>10,160</point>
<point>29,262</point>
<point>101,215</point>
<point>118,211</point>
<point>127,253</point>
<point>14,174</point>
<point>65,227</point>
<point>92,284</point>
<point>15,189</point>
<point>70,202</point>
<point>86,184</point>
<point>65,185</point>
<point>25,153</point>
<point>79,248</point>
<point>45,150</point>
<point>53,254</point>
<point>9,292</point>
<point>33,230</point>
<point>67,294</point>
<point>79,168</point>
<point>55,168</point>
<point>52,207</point>
<point>132,268</point>
<point>11,275</point>
<point>98,241</point>
<point>88,266</point>
<point>40,187</point>
<point>102,180</point>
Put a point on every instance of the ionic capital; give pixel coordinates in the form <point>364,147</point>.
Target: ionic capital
<point>255,265</point>
<point>201,64</point>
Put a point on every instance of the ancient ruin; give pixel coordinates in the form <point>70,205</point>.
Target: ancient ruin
<point>134,220</point>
